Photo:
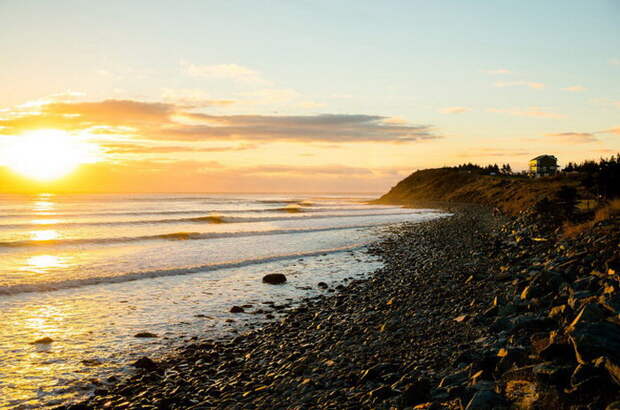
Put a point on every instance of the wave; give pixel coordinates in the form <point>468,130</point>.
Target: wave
<point>305,208</point>
<point>132,276</point>
<point>214,219</point>
<point>174,236</point>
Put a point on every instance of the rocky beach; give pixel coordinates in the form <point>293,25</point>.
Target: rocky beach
<point>473,311</point>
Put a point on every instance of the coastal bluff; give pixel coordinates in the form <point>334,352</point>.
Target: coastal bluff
<point>511,194</point>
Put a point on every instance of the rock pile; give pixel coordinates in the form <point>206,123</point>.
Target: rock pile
<point>464,314</point>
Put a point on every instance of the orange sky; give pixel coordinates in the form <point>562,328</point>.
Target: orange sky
<point>319,97</point>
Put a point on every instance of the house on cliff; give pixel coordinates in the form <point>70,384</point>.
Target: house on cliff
<point>543,165</point>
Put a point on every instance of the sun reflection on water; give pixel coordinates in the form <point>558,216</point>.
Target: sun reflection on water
<point>45,221</point>
<point>44,203</point>
<point>42,263</point>
<point>45,235</point>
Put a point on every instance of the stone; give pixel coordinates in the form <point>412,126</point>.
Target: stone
<point>554,373</point>
<point>43,341</point>
<point>460,377</point>
<point>145,335</point>
<point>323,285</point>
<point>237,309</point>
<point>376,371</point>
<point>145,363</point>
<point>486,400</point>
<point>592,340</point>
<point>595,340</point>
<point>590,312</point>
<point>274,278</point>
<point>416,393</point>
<point>382,392</point>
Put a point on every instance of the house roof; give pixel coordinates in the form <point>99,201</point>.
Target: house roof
<point>544,156</point>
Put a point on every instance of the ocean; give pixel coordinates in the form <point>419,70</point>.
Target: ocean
<point>92,271</point>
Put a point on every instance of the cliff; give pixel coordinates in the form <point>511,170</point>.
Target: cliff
<point>510,194</point>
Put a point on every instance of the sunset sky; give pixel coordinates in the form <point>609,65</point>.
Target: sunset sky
<point>291,96</point>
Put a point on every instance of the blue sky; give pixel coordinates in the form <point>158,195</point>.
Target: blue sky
<point>511,78</point>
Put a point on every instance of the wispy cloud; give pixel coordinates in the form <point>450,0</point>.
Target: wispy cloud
<point>162,121</point>
<point>269,96</point>
<point>534,112</point>
<point>233,72</point>
<point>323,170</point>
<point>573,137</point>
<point>575,88</point>
<point>133,148</point>
<point>615,131</point>
<point>614,61</point>
<point>499,71</point>
<point>191,97</point>
<point>493,152</point>
<point>530,84</point>
<point>454,110</point>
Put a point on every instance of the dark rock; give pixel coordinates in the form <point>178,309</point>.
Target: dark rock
<point>274,278</point>
<point>382,393</point>
<point>376,371</point>
<point>145,335</point>
<point>145,363</point>
<point>43,341</point>
<point>323,285</point>
<point>460,377</point>
<point>611,302</point>
<point>590,312</point>
<point>236,309</point>
<point>416,393</point>
<point>486,400</point>
<point>91,362</point>
<point>594,340</point>
<point>554,373</point>
<point>509,357</point>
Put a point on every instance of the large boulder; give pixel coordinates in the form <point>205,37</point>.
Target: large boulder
<point>274,278</point>
<point>594,340</point>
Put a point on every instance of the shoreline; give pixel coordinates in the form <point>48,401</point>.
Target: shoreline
<point>442,323</point>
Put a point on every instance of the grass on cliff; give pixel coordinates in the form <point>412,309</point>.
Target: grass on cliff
<point>607,212</point>
<point>510,194</point>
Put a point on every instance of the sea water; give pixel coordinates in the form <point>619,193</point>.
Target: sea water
<point>92,271</point>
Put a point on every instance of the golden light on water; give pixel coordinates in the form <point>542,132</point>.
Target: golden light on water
<point>42,263</point>
<point>45,235</point>
<point>45,221</point>
<point>46,155</point>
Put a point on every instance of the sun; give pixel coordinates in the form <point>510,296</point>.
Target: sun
<point>47,155</point>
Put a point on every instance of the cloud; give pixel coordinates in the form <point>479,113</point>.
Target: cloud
<point>269,96</point>
<point>167,121</point>
<point>615,131</point>
<point>575,88</point>
<point>132,148</point>
<point>614,61</point>
<point>454,110</point>
<point>494,152</point>
<point>323,170</point>
<point>191,97</point>
<point>500,71</point>
<point>311,128</point>
<point>310,104</point>
<point>232,72</point>
<point>574,137</point>
<point>529,84</point>
<point>533,112</point>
